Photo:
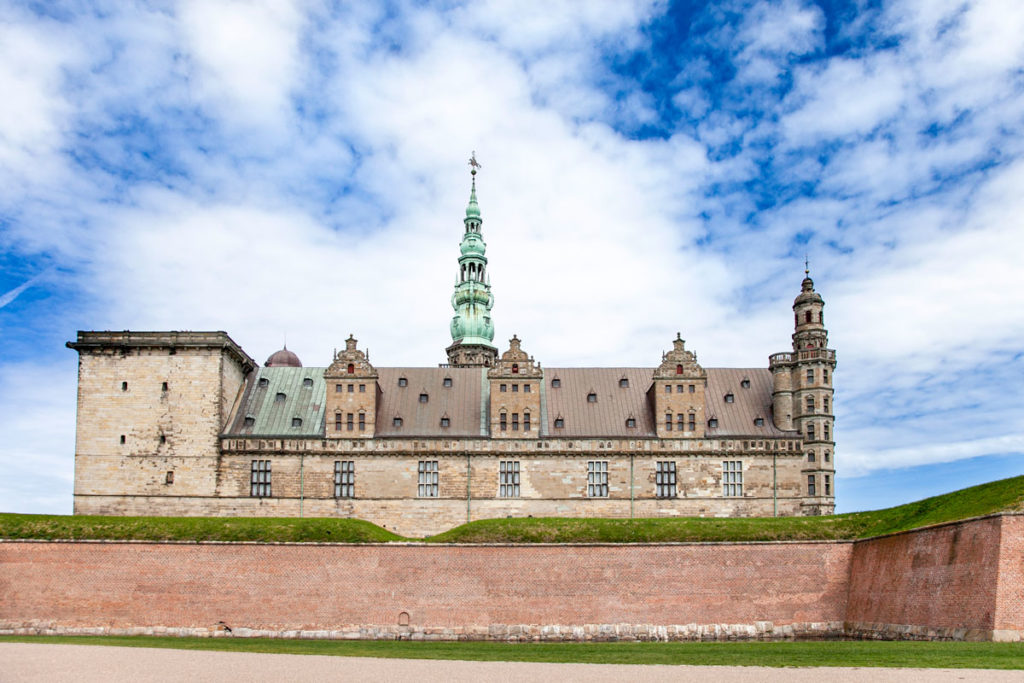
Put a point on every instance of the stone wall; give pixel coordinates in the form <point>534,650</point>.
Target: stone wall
<point>954,581</point>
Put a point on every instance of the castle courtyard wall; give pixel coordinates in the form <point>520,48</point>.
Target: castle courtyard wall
<point>953,581</point>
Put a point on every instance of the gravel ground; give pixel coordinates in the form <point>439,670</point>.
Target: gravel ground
<point>90,663</point>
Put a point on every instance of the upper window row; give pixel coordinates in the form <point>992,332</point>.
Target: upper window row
<point>680,388</point>
<point>527,388</point>
<point>164,387</point>
<point>349,388</point>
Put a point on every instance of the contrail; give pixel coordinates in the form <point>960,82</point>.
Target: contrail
<point>14,293</point>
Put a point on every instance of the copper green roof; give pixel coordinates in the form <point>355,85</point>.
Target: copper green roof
<point>282,401</point>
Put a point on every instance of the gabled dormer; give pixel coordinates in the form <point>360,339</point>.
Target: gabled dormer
<point>352,390</point>
<point>677,393</point>
<point>515,381</point>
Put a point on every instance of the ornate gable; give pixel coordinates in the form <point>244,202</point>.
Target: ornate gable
<point>679,363</point>
<point>350,362</point>
<point>515,363</point>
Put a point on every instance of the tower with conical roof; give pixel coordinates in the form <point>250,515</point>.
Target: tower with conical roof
<point>471,327</point>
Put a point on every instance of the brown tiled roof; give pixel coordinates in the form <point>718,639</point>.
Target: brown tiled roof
<point>737,418</point>
<point>461,403</point>
<point>608,414</point>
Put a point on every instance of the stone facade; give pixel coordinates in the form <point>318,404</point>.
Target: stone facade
<point>186,423</point>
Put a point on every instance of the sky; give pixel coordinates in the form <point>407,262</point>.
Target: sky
<point>297,171</point>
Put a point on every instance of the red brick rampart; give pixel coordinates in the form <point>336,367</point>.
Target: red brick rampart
<point>952,581</point>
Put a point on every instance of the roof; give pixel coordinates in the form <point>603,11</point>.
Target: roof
<point>275,397</point>
<point>464,403</point>
<point>171,339</point>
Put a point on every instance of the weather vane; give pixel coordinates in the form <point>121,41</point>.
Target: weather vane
<point>474,164</point>
<point>807,265</point>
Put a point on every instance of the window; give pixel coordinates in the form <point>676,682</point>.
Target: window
<point>679,388</point>
<point>824,403</point>
<point>337,422</point>
<point>807,316</point>
<point>527,389</point>
<point>515,388</point>
<point>362,388</point>
<point>729,398</point>
<point>810,405</point>
<point>445,422</point>
<point>526,422</point>
<point>259,479</point>
<point>559,422</point>
<point>350,422</point>
<point>447,381</point>
<point>169,477</point>
<point>824,376</point>
<point>264,383</point>
<point>745,383</point>
<point>828,456</point>
<point>515,422</point>
<point>337,388</point>
<point>424,398</point>
<point>555,383</point>
<point>693,388</point>
<point>680,422</point>
<point>713,423</point>
<point>427,479</point>
<point>665,479</point>
<point>810,432</point>
<point>810,456</point>
<point>503,421</point>
<point>344,479</point>
<point>296,422</point>
<point>623,383</point>
<point>306,382</point>
<point>828,485</point>
<point>123,437</point>
<point>630,422</point>
<point>668,388</point>
<point>163,438</point>
<point>515,368</point>
<point>679,369</point>
<point>759,422</point>
<point>810,376</point>
<point>508,479</point>
<point>810,485</point>
<point>351,368</point>
<point>591,397</point>
<point>124,386</point>
<point>597,479</point>
<point>279,398</point>
<point>351,388</point>
<point>396,422</point>
<point>403,382</point>
<point>824,431</point>
<point>502,387</point>
<point>163,386</point>
<point>668,422</point>
<point>692,422</point>
<point>732,478</point>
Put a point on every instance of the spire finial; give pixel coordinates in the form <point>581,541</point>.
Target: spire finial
<point>807,264</point>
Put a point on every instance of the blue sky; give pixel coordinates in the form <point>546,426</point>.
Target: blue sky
<point>298,169</point>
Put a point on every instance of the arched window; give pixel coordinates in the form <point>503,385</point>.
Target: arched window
<point>821,316</point>
<point>679,369</point>
<point>807,316</point>
<point>351,368</point>
<point>515,368</point>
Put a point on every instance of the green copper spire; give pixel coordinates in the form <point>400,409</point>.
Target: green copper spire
<point>471,327</point>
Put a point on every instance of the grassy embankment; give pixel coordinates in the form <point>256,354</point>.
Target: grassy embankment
<point>997,496</point>
<point>945,655</point>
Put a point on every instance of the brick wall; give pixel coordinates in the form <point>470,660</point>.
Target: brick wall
<point>957,581</point>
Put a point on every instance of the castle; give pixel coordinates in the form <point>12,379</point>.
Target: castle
<point>187,423</point>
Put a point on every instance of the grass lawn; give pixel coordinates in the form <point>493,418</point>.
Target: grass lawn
<point>996,496</point>
<point>943,655</point>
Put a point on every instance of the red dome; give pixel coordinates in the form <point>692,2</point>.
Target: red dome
<point>283,359</point>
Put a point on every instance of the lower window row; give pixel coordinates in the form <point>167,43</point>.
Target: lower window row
<point>428,479</point>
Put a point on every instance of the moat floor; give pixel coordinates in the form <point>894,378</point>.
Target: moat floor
<point>88,664</point>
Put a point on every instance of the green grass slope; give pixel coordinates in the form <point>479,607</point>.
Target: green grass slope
<point>997,496</point>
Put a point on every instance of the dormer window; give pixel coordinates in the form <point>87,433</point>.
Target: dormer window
<point>424,398</point>
<point>307,382</point>
<point>279,398</point>
<point>445,423</point>
<point>759,422</point>
<point>555,383</point>
<point>729,398</point>
<point>403,382</point>
<point>713,423</point>
<point>250,421</point>
<point>623,383</point>
<point>296,422</point>
<point>396,422</point>
<point>559,422</point>
<point>591,397</point>
<point>263,383</point>
<point>630,422</point>
<point>745,383</point>
<point>447,381</point>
